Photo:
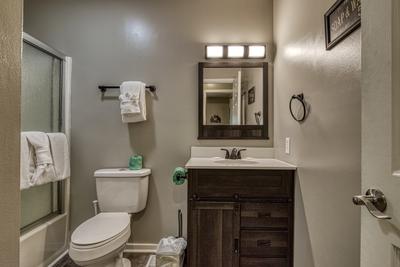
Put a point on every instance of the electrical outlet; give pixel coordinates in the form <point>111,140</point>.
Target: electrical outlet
<point>287,145</point>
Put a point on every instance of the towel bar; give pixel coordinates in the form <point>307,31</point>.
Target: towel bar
<point>104,88</point>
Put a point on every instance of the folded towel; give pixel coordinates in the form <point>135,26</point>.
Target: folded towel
<point>41,146</point>
<point>35,152</point>
<point>60,152</point>
<point>27,165</point>
<point>133,101</point>
<point>130,97</point>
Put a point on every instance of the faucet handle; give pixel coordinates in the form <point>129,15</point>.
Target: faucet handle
<point>226,152</point>
<point>239,155</point>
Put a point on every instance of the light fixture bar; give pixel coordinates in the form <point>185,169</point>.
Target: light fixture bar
<point>235,51</point>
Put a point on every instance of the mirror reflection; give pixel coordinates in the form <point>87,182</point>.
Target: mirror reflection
<point>233,96</point>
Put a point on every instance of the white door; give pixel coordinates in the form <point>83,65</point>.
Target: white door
<point>380,238</point>
<point>239,97</point>
<point>236,100</point>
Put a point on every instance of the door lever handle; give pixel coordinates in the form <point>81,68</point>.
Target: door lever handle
<point>375,202</point>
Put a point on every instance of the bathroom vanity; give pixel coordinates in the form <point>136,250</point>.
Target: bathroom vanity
<point>240,212</point>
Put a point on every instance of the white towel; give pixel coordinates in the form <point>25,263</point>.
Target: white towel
<point>37,166</point>
<point>130,97</point>
<point>133,101</point>
<point>27,165</point>
<point>60,152</point>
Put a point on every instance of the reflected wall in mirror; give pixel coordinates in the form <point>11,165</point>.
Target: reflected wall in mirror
<point>233,96</point>
<point>233,100</point>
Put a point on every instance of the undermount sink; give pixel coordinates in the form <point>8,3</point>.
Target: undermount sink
<point>235,161</point>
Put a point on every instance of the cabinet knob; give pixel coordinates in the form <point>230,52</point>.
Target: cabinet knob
<point>195,197</point>
<point>236,196</point>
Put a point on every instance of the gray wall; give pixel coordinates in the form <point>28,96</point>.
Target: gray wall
<point>10,90</point>
<point>158,42</point>
<point>326,147</point>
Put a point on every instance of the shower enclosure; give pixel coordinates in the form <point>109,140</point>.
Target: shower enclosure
<point>45,108</point>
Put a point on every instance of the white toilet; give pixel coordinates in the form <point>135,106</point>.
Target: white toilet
<point>100,240</point>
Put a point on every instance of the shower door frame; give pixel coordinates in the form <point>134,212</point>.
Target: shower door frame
<point>33,234</point>
<point>58,186</point>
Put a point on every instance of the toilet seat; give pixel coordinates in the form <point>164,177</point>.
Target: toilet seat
<point>99,236</point>
<point>100,244</point>
<point>100,228</point>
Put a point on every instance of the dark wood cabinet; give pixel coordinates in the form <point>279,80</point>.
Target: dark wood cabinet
<point>216,228</point>
<point>240,218</point>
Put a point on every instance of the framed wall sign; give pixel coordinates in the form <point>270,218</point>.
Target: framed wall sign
<point>343,18</point>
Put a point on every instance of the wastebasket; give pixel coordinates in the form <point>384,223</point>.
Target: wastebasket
<point>170,252</point>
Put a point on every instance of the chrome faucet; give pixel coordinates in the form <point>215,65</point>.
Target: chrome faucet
<point>234,154</point>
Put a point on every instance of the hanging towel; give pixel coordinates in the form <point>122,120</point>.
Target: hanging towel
<point>130,97</point>
<point>133,101</point>
<point>60,152</point>
<point>37,166</point>
<point>27,165</point>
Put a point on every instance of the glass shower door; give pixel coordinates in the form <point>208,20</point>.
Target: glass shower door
<point>41,108</point>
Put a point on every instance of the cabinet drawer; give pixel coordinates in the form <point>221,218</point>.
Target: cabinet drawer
<point>264,262</point>
<point>265,215</point>
<point>264,243</point>
<point>241,184</point>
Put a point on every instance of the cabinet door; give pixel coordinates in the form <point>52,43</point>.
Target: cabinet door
<point>214,230</point>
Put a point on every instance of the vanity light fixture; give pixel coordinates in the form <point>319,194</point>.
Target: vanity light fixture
<point>214,51</point>
<point>257,51</point>
<point>236,51</point>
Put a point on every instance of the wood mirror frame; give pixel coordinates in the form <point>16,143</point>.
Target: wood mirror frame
<point>233,132</point>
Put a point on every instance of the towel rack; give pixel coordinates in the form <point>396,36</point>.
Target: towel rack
<point>104,88</point>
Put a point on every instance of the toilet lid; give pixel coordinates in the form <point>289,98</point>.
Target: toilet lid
<point>100,228</point>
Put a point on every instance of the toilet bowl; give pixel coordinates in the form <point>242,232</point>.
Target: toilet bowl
<point>100,241</point>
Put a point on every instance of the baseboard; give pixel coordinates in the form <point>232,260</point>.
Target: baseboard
<point>141,248</point>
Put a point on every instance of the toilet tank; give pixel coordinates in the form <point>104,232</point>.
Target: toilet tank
<point>122,190</point>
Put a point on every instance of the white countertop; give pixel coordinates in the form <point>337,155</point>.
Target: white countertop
<point>245,163</point>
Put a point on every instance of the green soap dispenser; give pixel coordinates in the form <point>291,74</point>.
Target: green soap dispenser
<point>136,162</point>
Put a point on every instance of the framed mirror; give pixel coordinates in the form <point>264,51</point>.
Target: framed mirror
<point>233,100</point>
